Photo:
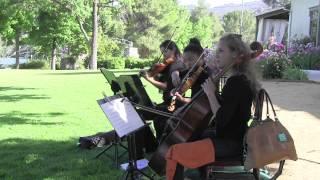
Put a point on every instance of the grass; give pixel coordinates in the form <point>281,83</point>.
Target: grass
<point>42,115</point>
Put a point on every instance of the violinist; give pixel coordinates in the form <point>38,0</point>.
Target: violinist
<point>173,63</point>
<point>192,54</point>
<point>231,111</point>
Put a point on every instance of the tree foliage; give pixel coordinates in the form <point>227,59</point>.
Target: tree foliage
<point>64,27</point>
<point>232,24</point>
<point>17,19</point>
<point>276,3</point>
<point>206,26</point>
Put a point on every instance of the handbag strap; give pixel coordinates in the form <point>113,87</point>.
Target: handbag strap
<point>258,106</point>
<point>262,96</point>
<point>268,100</point>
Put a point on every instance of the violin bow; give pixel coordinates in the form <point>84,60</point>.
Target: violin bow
<point>171,37</point>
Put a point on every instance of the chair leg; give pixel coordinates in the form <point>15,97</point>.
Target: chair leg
<point>256,173</point>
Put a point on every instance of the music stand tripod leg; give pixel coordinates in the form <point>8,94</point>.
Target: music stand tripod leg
<point>132,169</point>
<point>106,149</point>
<point>115,143</point>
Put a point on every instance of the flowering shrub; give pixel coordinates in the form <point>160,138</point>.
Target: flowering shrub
<point>273,62</point>
<point>305,56</point>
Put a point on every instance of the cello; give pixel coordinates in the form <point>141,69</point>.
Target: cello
<point>195,118</point>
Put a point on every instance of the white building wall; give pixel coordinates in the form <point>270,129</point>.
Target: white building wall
<point>300,17</point>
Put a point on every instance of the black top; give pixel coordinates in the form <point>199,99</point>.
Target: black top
<point>197,85</point>
<point>165,76</point>
<point>232,117</point>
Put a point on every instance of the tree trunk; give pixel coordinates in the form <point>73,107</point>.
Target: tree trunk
<point>17,48</point>
<point>94,44</point>
<point>53,55</point>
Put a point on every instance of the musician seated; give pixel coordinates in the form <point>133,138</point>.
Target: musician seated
<point>232,111</point>
<point>163,82</point>
<point>192,56</point>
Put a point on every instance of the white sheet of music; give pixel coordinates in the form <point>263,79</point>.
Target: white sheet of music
<point>122,115</point>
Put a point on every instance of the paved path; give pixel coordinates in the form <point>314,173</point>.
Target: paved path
<point>298,107</point>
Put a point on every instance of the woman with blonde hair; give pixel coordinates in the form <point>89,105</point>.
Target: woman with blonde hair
<point>231,110</point>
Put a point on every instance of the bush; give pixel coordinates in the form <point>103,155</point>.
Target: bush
<point>112,63</point>
<point>304,54</point>
<point>307,61</point>
<point>273,67</point>
<point>136,63</point>
<point>294,74</point>
<point>122,62</point>
<point>68,62</point>
<point>35,64</point>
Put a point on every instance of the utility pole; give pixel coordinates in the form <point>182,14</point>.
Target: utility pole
<point>241,20</point>
<point>318,26</point>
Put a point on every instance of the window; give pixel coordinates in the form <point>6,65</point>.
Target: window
<point>314,18</point>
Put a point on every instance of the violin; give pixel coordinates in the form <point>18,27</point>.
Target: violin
<point>185,85</point>
<point>158,67</point>
<point>195,118</point>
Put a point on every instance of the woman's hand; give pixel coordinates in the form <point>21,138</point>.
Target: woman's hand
<point>145,75</point>
<point>179,97</point>
<point>209,88</point>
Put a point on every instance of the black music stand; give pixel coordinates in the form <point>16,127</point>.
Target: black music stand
<point>119,110</point>
<point>116,142</point>
<point>132,170</point>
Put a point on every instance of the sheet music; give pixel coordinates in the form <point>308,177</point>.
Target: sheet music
<point>122,115</point>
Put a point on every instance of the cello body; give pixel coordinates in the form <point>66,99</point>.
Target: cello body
<point>195,119</point>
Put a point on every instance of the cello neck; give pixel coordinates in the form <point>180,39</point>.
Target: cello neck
<point>217,77</point>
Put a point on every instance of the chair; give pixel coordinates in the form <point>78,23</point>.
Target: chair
<point>232,168</point>
<point>229,168</point>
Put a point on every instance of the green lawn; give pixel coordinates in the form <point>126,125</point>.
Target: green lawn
<point>42,115</point>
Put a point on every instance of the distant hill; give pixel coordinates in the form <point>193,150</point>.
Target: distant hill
<point>256,6</point>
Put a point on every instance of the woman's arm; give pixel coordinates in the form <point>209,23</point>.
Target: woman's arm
<point>229,101</point>
<point>158,84</point>
<point>182,99</point>
<point>175,76</point>
<point>210,89</point>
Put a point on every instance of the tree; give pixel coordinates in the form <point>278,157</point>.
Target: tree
<point>148,22</point>
<point>17,19</point>
<point>232,24</point>
<point>82,12</point>
<point>55,29</point>
<point>276,3</point>
<point>205,26</point>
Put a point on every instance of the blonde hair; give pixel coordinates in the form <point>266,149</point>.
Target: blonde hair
<point>246,66</point>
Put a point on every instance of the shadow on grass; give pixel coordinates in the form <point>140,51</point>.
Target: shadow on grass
<point>19,97</point>
<point>48,159</point>
<point>14,88</point>
<point>17,117</point>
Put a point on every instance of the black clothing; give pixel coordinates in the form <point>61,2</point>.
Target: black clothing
<point>160,121</point>
<point>165,76</point>
<point>232,117</point>
<point>230,121</point>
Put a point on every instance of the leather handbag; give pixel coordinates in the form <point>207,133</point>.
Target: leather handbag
<point>267,140</point>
